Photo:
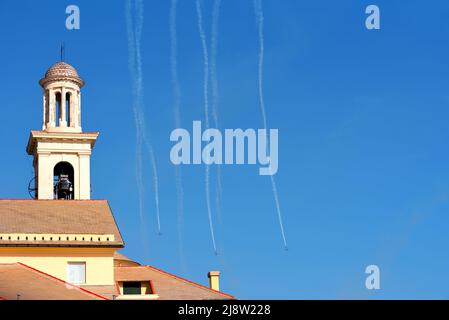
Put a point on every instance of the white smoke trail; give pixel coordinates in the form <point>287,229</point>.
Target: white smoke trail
<point>206,111</point>
<point>135,66</point>
<point>213,60</point>
<point>214,82</point>
<point>259,16</point>
<point>147,142</point>
<point>174,63</point>
<point>177,115</point>
<point>155,181</point>
<point>131,65</point>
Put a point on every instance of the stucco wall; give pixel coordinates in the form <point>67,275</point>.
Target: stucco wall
<point>99,261</point>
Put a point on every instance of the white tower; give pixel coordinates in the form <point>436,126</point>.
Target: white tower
<point>61,148</point>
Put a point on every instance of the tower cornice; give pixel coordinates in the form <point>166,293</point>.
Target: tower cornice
<point>78,81</point>
<point>65,137</point>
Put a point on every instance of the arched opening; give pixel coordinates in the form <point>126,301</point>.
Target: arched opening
<point>68,107</point>
<point>64,181</point>
<point>58,109</point>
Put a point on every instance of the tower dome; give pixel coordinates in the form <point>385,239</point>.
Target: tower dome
<point>62,98</point>
<point>61,71</point>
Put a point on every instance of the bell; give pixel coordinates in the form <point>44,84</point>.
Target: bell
<point>63,187</point>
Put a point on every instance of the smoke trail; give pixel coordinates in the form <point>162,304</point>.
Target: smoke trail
<point>214,82</point>
<point>206,111</point>
<point>145,139</point>
<point>135,66</point>
<point>174,63</point>
<point>177,115</point>
<point>155,180</point>
<point>213,59</point>
<point>259,16</point>
<point>131,65</point>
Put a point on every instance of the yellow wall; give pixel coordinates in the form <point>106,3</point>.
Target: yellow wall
<point>99,261</point>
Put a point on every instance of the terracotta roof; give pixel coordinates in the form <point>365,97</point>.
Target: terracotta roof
<point>61,71</point>
<point>104,291</point>
<point>71,217</point>
<point>168,286</point>
<point>31,284</point>
<point>119,256</point>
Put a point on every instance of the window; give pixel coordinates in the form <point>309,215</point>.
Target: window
<point>68,107</point>
<point>131,288</point>
<point>58,108</point>
<point>76,272</point>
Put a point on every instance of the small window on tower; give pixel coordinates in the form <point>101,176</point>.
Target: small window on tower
<point>76,272</point>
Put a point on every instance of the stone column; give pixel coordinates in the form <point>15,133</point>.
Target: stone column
<point>45,177</point>
<point>44,116</point>
<point>78,107</point>
<point>84,176</point>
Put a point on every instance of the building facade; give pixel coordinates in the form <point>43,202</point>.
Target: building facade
<point>62,244</point>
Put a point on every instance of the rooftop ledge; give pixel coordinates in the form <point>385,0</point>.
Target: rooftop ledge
<point>33,237</point>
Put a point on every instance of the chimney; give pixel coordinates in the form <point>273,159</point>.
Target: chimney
<point>214,280</point>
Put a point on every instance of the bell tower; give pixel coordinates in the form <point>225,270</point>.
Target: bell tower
<point>61,150</point>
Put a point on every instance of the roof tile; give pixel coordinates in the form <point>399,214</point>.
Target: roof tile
<point>58,217</point>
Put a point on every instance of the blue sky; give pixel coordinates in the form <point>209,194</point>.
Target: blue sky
<point>363,138</point>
